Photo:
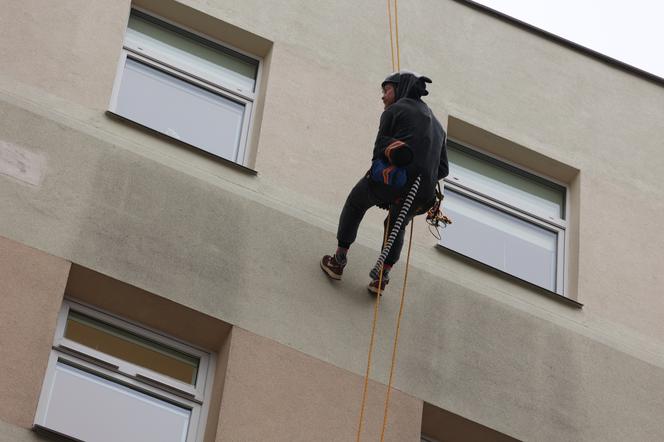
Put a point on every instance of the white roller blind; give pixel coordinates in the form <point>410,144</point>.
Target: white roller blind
<point>93,409</point>
<point>191,54</point>
<point>506,185</point>
<point>181,110</point>
<point>500,240</point>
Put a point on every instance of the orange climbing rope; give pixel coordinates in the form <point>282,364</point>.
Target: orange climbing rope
<point>396,66</point>
<point>371,340</point>
<point>396,33</point>
<point>396,334</point>
<point>389,18</point>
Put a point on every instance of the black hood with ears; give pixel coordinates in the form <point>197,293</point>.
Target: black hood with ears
<point>409,121</point>
<point>408,84</point>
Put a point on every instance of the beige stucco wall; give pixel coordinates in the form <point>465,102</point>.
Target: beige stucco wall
<point>275,393</point>
<point>480,353</point>
<point>32,284</point>
<point>269,390</point>
<point>64,49</point>
<point>14,433</point>
<point>244,249</point>
<point>534,92</point>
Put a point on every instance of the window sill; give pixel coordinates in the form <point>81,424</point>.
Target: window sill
<point>52,435</point>
<point>181,143</point>
<point>530,286</point>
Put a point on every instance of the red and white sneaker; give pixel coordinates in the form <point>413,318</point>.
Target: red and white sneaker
<point>373,285</point>
<point>332,267</point>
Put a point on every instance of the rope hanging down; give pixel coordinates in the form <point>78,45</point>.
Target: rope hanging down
<point>377,273</point>
<point>396,336</point>
<point>434,218</point>
<point>395,67</point>
<point>371,344</point>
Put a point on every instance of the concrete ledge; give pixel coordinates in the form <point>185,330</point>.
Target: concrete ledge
<point>13,433</point>
<point>526,370</point>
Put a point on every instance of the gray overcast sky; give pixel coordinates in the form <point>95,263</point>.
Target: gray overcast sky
<point>629,31</point>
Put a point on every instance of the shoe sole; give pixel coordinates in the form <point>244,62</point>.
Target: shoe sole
<point>330,274</point>
<point>374,290</point>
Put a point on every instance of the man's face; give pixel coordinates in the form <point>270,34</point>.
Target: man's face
<point>389,94</point>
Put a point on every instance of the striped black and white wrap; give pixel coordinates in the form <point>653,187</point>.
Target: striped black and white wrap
<point>375,272</point>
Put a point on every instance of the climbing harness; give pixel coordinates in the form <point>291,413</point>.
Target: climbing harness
<point>435,218</point>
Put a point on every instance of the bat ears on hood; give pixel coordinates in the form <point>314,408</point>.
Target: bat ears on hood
<point>408,84</point>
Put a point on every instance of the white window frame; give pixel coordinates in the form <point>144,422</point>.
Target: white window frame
<point>557,225</point>
<point>199,77</point>
<point>195,398</point>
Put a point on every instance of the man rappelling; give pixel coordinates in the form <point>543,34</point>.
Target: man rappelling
<point>410,144</point>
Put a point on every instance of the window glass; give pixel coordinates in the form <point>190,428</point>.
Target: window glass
<point>519,189</point>
<point>137,350</point>
<point>181,110</point>
<point>89,407</point>
<point>500,240</point>
<point>192,52</point>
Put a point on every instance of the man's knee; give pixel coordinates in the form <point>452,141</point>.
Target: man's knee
<point>359,199</point>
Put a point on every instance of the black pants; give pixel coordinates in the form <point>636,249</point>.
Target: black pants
<point>361,199</point>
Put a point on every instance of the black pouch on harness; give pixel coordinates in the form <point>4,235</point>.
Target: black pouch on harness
<point>385,173</point>
<point>390,168</point>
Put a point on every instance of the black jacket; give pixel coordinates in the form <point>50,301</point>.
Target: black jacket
<point>410,120</point>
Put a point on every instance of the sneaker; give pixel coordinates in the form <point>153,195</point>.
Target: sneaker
<point>373,285</point>
<point>332,267</point>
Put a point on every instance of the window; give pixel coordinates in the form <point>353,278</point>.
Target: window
<point>505,217</point>
<point>186,87</point>
<point>109,380</point>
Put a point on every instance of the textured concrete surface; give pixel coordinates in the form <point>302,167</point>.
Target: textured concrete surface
<point>244,249</point>
<point>275,393</point>
<point>476,352</point>
<point>21,164</point>
<point>32,284</point>
<point>534,92</point>
<point>13,433</point>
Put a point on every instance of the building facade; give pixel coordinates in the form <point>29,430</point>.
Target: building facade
<point>171,172</point>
